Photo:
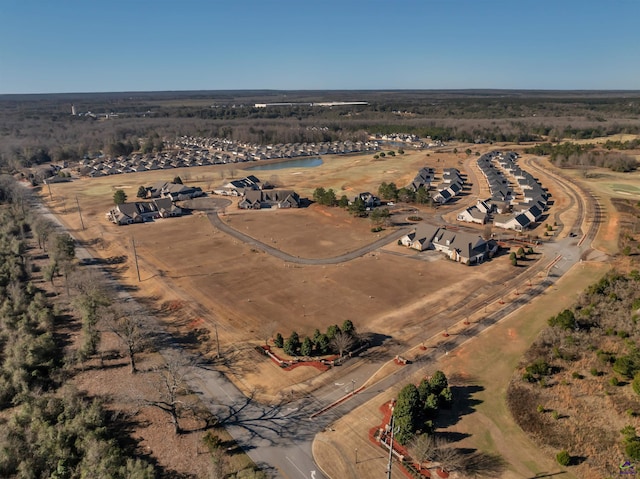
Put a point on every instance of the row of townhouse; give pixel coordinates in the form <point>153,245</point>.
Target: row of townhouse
<point>258,195</point>
<point>141,211</point>
<point>423,179</point>
<point>399,137</point>
<point>194,151</point>
<point>256,152</point>
<point>173,191</point>
<point>103,166</point>
<point>452,184</point>
<point>259,199</point>
<point>509,214</point>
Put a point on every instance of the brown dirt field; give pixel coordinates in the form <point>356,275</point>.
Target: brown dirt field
<point>485,370</point>
<point>314,232</point>
<point>210,278</point>
<point>218,280</point>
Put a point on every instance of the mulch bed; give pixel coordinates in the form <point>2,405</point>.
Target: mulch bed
<point>386,411</point>
<point>290,365</point>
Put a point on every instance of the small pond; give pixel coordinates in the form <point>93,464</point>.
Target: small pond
<point>297,163</point>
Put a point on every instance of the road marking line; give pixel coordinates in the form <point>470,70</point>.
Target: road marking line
<point>294,465</point>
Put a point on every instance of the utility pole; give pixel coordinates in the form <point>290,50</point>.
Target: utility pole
<point>80,213</point>
<point>135,256</point>
<point>217,341</point>
<point>390,450</point>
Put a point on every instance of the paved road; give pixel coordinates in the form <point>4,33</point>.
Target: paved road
<point>279,438</point>
<point>222,226</point>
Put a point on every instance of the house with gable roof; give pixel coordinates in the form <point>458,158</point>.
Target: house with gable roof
<point>141,211</point>
<point>258,199</point>
<point>466,248</point>
<point>421,237</point>
<point>473,215</point>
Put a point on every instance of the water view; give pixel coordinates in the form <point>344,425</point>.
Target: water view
<point>297,163</point>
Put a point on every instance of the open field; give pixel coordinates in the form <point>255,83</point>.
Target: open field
<point>198,276</point>
<point>479,373</point>
<point>485,370</point>
<point>606,184</point>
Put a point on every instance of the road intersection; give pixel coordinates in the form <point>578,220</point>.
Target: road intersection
<point>278,437</point>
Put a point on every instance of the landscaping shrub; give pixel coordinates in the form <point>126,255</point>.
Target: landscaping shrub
<point>563,458</point>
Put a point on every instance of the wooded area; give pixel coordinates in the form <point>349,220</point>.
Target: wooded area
<point>38,128</point>
<point>578,386</point>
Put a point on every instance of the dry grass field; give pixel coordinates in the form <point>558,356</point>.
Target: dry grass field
<point>479,372</point>
<point>209,278</point>
<point>201,277</point>
<point>481,367</point>
<point>195,276</point>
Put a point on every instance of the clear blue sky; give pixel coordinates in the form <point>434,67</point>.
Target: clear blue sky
<point>49,46</point>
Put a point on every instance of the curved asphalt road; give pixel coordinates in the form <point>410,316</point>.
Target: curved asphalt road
<point>278,438</point>
<point>222,226</point>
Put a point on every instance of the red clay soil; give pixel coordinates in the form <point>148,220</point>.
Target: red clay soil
<point>279,361</point>
<point>386,411</point>
<point>316,364</point>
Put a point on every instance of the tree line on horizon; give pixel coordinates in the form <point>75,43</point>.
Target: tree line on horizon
<point>36,133</point>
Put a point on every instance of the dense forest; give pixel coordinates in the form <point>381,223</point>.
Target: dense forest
<point>39,128</point>
<point>47,428</point>
<point>54,317</point>
<point>583,155</point>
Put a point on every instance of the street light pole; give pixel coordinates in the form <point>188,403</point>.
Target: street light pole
<point>390,450</point>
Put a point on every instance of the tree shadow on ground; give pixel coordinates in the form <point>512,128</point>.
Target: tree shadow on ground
<point>463,404</point>
<point>380,347</point>
<point>66,328</point>
<point>122,426</point>
<point>481,464</point>
<point>453,436</point>
<point>375,339</point>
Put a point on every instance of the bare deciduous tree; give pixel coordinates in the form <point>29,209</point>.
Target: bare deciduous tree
<point>170,388</point>
<point>450,458</point>
<point>267,329</point>
<point>422,447</point>
<point>342,342</point>
<point>129,326</point>
<point>42,227</point>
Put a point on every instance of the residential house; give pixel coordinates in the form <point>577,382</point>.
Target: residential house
<point>370,200</point>
<point>473,215</point>
<point>258,199</point>
<point>518,222</point>
<point>420,238</point>
<point>138,212</point>
<point>459,246</point>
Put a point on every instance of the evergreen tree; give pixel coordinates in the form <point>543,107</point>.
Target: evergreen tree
<point>119,197</point>
<point>407,413</point>
<point>142,192</point>
<point>438,382</point>
<point>307,347</point>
